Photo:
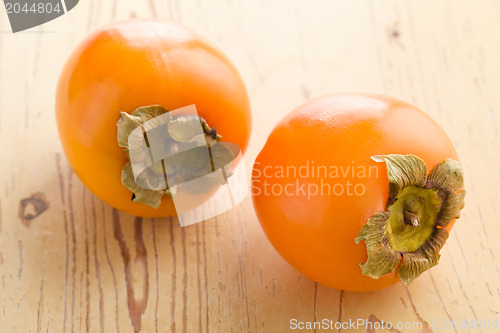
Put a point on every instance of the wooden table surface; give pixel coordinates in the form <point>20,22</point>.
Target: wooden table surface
<point>80,266</point>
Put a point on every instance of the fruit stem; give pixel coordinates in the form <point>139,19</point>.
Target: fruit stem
<point>410,218</point>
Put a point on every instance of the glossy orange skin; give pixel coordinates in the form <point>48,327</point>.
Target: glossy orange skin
<point>136,63</point>
<point>316,236</point>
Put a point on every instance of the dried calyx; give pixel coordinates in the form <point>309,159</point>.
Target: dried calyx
<point>183,141</point>
<point>410,233</point>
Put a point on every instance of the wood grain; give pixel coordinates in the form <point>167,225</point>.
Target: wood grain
<point>70,263</point>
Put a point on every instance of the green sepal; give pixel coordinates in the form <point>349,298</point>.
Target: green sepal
<point>402,171</point>
<point>381,258</point>
<point>427,256</point>
<point>139,194</point>
<point>220,159</point>
<point>446,176</point>
<point>128,122</point>
<point>450,211</point>
<point>197,162</point>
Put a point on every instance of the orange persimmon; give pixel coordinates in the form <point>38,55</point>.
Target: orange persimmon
<point>319,189</point>
<point>133,64</point>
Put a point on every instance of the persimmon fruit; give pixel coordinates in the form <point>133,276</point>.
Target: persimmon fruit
<point>350,179</point>
<point>125,66</point>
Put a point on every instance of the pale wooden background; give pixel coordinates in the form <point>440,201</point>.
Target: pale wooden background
<point>79,266</point>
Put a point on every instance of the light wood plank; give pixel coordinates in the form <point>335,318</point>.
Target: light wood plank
<point>81,266</point>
